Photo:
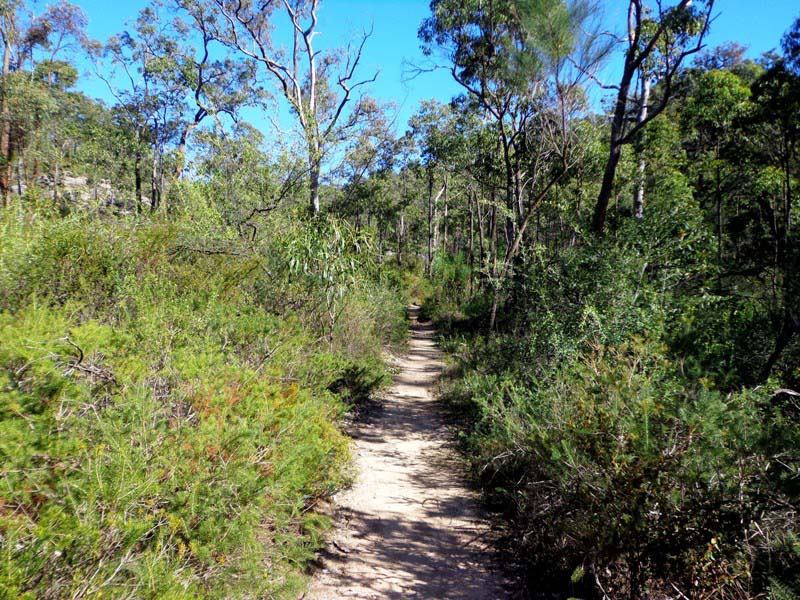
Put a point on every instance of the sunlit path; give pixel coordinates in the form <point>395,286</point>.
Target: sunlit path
<point>410,527</point>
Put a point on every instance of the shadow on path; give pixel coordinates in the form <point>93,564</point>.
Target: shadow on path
<point>409,526</point>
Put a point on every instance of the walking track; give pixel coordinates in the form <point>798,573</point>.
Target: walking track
<point>409,527</point>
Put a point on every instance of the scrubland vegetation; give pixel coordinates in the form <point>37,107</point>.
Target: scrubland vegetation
<point>189,306</point>
<point>169,412</point>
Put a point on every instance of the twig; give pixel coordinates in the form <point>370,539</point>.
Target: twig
<point>680,593</point>
<point>78,348</point>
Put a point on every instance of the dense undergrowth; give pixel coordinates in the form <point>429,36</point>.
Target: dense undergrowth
<point>613,420</point>
<point>169,393</point>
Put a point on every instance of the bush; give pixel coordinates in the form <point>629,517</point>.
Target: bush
<point>624,467</point>
<point>450,276</point>
<point>167,422</point>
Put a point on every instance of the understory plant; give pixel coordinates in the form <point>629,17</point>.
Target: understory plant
<point>168,414</point>
<point>626,467</point>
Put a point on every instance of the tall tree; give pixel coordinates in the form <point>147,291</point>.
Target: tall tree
<point>322,88</point>
<point>433,129</point>
<point>657,41</point>
<point>10,33</point>
<point>217,84</point>
<point>167,88</point>
<point>522,65</point>
<point>32,45</point>
<point>777,98</point>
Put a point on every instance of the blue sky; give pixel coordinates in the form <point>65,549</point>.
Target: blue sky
<point>758,25</point>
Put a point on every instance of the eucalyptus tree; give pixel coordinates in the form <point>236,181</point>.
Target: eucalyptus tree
<point>168,81</point>
<point>32,45</point>
<point>658,41</point>
<point>241,180</point>
<point>367,189</point>
<point>137,69</point>
<point>217,83</point>
<point>9,30</point>
<point>711,118</point>
<point>433,130</point>
<point>522,65</point>
<point>322,87</point>
<point>741,133</point>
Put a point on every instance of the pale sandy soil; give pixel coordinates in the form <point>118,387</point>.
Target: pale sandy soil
<point>409,527</point>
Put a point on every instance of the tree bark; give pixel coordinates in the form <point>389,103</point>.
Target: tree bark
<point>428,266</point>
<point>638,199</point>
<point>446,214</point>
<point>181,150</point>
<point>718,195</point>
<point>137,180</point>
<point>614,153</point>
<point>314,170</point>
<point>5,127</point>
<point>401,226</point>
<point>155,196</point>
<point>314,190</point>
<point>471,243</point>
<point>493,258</point>
<point>481,236</point>
<point>433,225</point>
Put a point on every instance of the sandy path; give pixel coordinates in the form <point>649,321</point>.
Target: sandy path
<point>409,526</point>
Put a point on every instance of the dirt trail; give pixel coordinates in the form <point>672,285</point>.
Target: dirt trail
<point>409,527</point>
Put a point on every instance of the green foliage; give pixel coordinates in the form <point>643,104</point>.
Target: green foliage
<point>167,424</point>
<point>450,278</point>
<point>612,447</point>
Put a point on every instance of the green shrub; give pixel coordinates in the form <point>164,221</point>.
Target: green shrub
<point>168,420</point>
<point>625,462</point>
<point>450,275</point>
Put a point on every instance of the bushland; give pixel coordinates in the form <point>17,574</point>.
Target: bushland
<point>170,393</point>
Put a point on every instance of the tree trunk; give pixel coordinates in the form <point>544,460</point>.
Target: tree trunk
<point>430,223</point>
<point>436,221</point>
<point>5,127</point>
<point>433,227</point>
<point>314,171</point>
<point>481,245</point>
<point>638,199</point>
<point>137,179</point>
<point>56,175</point>
<point>19,170</point>
<point>314,190</point>
<point>718,194</point>
<point>471,244</point>
<point>787,215</point>
<point>493,312</point>
<point>493,258</point>
<point>401,226</point>
<point>606,189</point>
<point>181,150</point>
<point>617,125</point>
<point>446,211</point>
<point>638,196</point>
<point>155,197</point>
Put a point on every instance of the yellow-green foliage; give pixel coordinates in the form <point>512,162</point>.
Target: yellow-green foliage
<point>163,431</point>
